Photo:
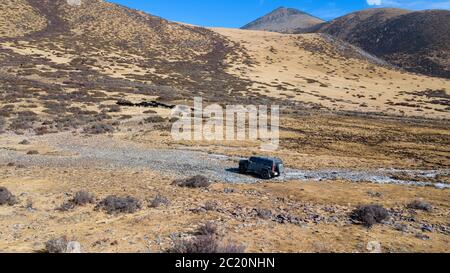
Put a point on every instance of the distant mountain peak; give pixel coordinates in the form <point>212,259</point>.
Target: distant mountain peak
<point>285,20</point>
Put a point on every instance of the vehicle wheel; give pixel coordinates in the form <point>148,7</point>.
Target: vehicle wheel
<point>265,174</point>
<point>242,169</point>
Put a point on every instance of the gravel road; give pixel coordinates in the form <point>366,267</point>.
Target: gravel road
<point>105,152</point>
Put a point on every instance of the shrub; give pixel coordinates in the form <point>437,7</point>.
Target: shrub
<point>42,130</point>
<point>66,206</point>
<point>369,215</point>
<point>114,109</point>
<point>23,121</point>
<point>29,204</point>
<point>264,213</point>
<point>154,119</point>
<point>62,245</point>
<point>113,204</point>
<point>158,201</point>
<point>198,181</point>
<point>210,228</point>
<point>204,244</point>
<point>210,205</point>
<point>205,241</point>
<point>2,124</point>
<point>81,198</point>
<point>32,152</point>
<point>58,245</point>
<point>24,142</point>
<point>98,128</point>
<point>232,248</point>
<point>6,197</point>
<point>420,205</point>
<point>199,244</point>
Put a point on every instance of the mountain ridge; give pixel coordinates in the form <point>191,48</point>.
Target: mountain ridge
<point>285,20</point>
<point>418,41</point>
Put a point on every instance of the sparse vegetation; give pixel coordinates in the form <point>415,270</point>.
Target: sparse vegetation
<point>99,128</point>
<point>158,201</point>
<point>113,204</point>
<point>420,205</point>
<point>24,142</point>
<point>210,205</point>
<point>198,181</point>
<point>369,215</point>
<point>154,119</point>
<point>62,245</point>
<point>210,228</point>
<point>264,213</point>
<point>81,198</point>
<point>205,241</point>
<point>205,244</point>
<point>7,198</point>
<point>2,124</point>
<point>56,246</point>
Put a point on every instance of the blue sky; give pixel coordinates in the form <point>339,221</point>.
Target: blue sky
<point>236,13</point>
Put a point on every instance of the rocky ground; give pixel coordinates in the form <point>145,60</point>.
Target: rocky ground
<point>101,151</point>
<point>313,208</point>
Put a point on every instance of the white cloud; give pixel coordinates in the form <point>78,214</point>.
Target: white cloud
<point>374,2</point>
<point>411,4</point>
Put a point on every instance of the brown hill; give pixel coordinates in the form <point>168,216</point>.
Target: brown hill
<point>99,51</point>
<point>416,41</point>
<point>18,18</point>
<point>284,20</point>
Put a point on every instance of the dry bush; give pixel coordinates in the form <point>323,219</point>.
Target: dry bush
<point>7,198</point>
<point>263,213</point>
<point>32,152</point>
<point>114,108</point>
<point>42,130</point>
<point>158,201</point>
<point>198,181</point>
<point>199,244</point>
<point>210,205</point>
<point>98,128</point>
<point>210,228</point>
<point>205,241</point>
<point>369,215</point>
<point>113,204</point>
<point>24,142</point>
<point>58,245</point>
<point>204,244</point>
<point>81,198</point>
<point>23,121</point>
<point>154,119</point>
<point>2,124</point>
<point>29,204</point>
<point>420,205</point>
<point>232,248</point>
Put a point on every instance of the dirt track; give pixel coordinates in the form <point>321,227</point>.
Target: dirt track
<point>107,153</point>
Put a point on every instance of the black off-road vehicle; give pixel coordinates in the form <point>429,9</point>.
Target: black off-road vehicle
<point>265,167</point>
